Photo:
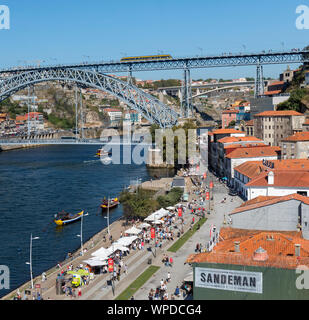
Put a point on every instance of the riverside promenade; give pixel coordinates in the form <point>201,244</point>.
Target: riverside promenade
<point>181,269</point>
<point>138,260</point>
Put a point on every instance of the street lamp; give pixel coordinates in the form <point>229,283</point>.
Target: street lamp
<point>30,263</point>
<point>107,217</point>
<point>81,232</point>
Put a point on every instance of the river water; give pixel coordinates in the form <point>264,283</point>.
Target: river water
<point>37,183</point>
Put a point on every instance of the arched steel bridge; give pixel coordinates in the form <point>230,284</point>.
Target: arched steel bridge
<point>149,106</point>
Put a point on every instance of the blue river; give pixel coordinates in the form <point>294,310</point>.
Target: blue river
<point>37,183</point>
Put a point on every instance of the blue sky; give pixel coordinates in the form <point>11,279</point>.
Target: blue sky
<point>71,30</point>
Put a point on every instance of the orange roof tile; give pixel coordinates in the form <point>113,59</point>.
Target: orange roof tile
<point>270,93</point>
<point>225,131</point>
<point>279,245</point>
<point>298,136</point>
<point>254,152</point>
<point>229,111</point>
<point>250,123</point>
<point>252,169</point>
<point>282,178</point>
<point>279,113</point>
<point>238,139</point>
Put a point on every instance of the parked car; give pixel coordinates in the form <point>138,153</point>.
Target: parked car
<point>233,193</point>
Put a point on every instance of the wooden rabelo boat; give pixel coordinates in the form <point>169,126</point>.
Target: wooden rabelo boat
<point>109,204</point>
<point>63,217</point>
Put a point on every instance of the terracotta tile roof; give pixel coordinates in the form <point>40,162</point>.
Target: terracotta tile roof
<point>306,122</point>
<point>279,245</point>
<point>270,93</point>
<point>236,139</point>
<point>254,152</point>
<point>245,145</point>
<point>278,113</point>
<point>230,111</point>
<point>252,169</point>
<point>263,201</point>
<point>276,83</point>
<point>225,131</point>
<point>298,136</point>
<point>250,123</point>
<point>282,178</point>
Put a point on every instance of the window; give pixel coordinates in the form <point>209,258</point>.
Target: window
<point>284,146</point>
<point>302,193</point>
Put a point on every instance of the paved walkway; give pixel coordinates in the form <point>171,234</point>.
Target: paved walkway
<point>180,270</point>
<point>137,261</point>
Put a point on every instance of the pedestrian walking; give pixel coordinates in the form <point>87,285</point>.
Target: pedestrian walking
<point>79,292</point>
<point>168,279</point>
<point>171,262</point>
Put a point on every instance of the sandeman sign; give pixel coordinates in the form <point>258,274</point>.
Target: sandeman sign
<point>231,280</point>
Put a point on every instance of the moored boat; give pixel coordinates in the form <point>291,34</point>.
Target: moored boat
<point>63,217</point>
<point>102,153</point>
<point>109,204</point>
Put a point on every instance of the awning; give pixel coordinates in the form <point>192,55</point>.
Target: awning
<point>95,262</point>
<point>157,222</point>
<point>157,215</point>
<point>170,208</point>
<point>144,225</point>
<point>116,246</point>
<point>102,252</point>
<point>133,230</point>
<point>126,241</point>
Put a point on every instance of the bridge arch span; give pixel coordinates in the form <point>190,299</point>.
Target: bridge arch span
<point>150,107</point>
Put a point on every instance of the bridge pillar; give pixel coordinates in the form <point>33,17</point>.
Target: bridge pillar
<point>129,79</point>
<point>186,99</point>
<point>259,81</point>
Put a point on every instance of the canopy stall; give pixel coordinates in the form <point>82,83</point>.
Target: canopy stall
<point>133,230</point>
<point>102,252</point>
<point>157,215</point>
<point>125,241</point>
<point>94,262</point>
<point>116,246</point>
<point>144,225</point>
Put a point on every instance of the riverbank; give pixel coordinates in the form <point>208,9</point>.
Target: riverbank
<point>47,288</point>
<point>17,147</point>
<point>91,245</point>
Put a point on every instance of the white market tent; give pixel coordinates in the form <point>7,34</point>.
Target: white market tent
<point>125,241</point>
<point>144,225</point>
<point>170,208</point>
<point>157,222</point>
<point>95,262</point>
<point>133,230</point>
<point>157,215</point>
<point>102,252</point>
<point>114,247</point>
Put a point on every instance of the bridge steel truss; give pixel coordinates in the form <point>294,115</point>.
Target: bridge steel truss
<point>149,106</point>
<point>186,64</point>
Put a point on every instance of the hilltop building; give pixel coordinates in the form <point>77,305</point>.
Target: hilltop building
<point>274,126</point>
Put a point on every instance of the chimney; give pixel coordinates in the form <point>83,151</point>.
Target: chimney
<point>260,255</point>
<point>297,250</point>
<point>270,177</point>
<point>236,246</point>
